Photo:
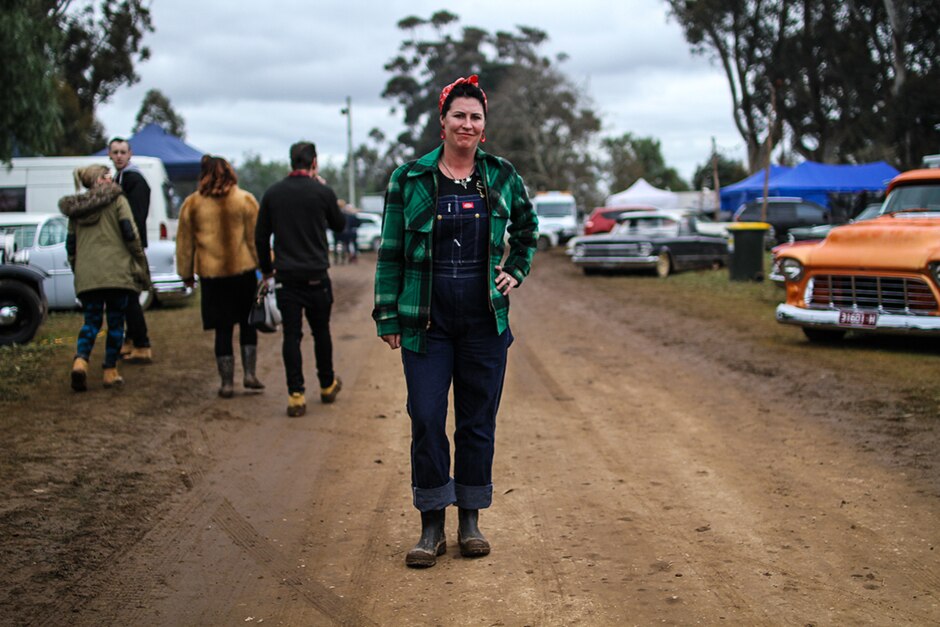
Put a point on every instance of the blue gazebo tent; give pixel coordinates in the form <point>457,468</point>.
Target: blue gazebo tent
<point>735,195</point>
<point>180,159</point>
<point>810,181</point>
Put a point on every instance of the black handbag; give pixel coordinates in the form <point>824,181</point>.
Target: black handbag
<point>264,315</point>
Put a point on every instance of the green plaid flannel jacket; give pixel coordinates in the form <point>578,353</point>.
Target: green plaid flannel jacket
<point>403,270</point>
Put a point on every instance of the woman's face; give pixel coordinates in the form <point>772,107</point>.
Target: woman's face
<point>464,123</point>
<point>104,178</point>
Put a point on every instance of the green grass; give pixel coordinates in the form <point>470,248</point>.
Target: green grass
<point>22,365</point>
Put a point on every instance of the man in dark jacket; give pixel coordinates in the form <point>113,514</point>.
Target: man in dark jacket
<point>296,211</point>
<point>128,176</point>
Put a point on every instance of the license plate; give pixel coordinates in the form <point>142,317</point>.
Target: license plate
<point>861,319</point>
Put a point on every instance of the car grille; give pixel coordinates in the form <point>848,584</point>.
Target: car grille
<point>898,295</point>
<point>613,250</point>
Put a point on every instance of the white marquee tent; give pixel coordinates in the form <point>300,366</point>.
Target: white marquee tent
<point>642,193</point>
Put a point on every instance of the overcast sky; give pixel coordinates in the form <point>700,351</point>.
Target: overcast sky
<point>256,79</point>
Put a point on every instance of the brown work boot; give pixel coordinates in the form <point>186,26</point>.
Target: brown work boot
<point>110,378</point>
<point>328,394</point>
<point>139,356</point>
<point>80,374</point>
<point>296,405</point>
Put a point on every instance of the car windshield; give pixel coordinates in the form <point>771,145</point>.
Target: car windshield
<point>907,197</point>
<point>869,212</point>
<point>555,208</point>
<point>23,234</point>
<point>646,226</point>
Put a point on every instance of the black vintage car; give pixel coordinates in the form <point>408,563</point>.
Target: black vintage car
<point>650,241</point>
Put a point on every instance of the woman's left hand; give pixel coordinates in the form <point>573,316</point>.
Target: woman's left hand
<point>505,281</point>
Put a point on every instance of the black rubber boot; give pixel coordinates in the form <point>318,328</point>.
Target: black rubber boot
<point>471,540</point>
<point>226,365</point>
<point>433,542</point>
<point>249,361</point>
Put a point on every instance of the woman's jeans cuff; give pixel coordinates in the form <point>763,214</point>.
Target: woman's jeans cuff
<point>474,496</point>
<point>430,499</point>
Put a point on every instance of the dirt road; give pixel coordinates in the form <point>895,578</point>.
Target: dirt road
<point>650,468</point>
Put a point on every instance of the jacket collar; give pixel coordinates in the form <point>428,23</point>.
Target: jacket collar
<point>428,162</point>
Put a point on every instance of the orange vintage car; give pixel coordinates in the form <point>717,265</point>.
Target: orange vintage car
<point>880,275</point>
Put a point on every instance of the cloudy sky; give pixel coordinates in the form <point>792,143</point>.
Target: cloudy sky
<point>252,79</point>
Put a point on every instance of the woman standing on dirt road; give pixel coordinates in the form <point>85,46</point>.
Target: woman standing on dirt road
<point>110,268</point>
<point>441,295</point>
<point>215,239</point>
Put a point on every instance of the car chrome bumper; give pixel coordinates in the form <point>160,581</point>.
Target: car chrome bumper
<point>170,287</point>
<point>828,319</point>
<point>616,262</point>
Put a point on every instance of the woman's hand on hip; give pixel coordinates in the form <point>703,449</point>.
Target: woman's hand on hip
<point>393,341</point>
<point>505,281</point>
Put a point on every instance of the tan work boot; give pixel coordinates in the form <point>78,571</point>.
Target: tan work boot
<point>111,378</point>
<point>139,356</point>
<point>328,395</point>
<point>80,374</point>
<point>127,348</point>
<point>296,405</point>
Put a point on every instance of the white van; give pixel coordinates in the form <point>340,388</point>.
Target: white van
<point>35,185</point>
<point>558,218</point>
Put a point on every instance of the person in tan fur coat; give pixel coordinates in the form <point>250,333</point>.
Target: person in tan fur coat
<point>215,241</point>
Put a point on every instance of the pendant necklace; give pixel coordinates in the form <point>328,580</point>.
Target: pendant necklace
<point>462,182</point>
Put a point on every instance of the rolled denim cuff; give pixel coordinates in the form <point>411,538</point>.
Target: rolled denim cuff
<point>473,496</point>
<point>430,499</point>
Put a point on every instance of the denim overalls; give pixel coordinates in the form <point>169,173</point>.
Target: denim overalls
<point>463,347</point>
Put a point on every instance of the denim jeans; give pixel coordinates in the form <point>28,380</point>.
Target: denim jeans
<point>313,300</point>
<point>463,348</point>
<point>96,304</point>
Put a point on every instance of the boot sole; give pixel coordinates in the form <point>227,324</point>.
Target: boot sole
<point>296,412</point>
<point>329,398</point>
<point>424,559</point>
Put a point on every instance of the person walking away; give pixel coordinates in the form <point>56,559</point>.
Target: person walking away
<point>215,239</point>
<point>110,268</point>
<point>441,296</point>
<point>137,347</point>
<point>348,236</point>
<point>295,213</point>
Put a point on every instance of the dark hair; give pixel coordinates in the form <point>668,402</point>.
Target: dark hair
<point>216,176</point>
<point>115,140</point>
<point>302,155</point>
<point>463,90</point>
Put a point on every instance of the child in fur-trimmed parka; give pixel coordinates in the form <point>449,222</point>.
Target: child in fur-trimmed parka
<point>110,268</point>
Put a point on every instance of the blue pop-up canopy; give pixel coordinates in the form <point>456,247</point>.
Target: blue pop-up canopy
<point>180,159</point>
<point>735,195</point>
<point>810,181</point>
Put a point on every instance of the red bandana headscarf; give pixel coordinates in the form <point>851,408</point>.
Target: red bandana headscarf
<point>472,80</point>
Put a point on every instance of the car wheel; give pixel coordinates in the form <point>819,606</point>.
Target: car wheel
<point>20,313</point>
<point>663,265</point>
<point>146,299</point>
<point>544,243</point>
<point>823,336</point>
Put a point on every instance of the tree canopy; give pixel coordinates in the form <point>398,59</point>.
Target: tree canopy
<point>632,158</point>
<point>70,56</point>
<point>156,109</point>
<point>536,118</point>
<point>840,81</point>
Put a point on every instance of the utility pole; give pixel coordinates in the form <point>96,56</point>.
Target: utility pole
<point>715,182</point>
<point>350,166</point>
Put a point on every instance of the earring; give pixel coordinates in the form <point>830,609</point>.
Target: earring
<point>483,138</point>
<point>442,132</point>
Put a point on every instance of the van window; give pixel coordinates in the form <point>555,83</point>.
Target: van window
<point>53,232</point>
<point>810,213</point>
<point>23,234</point>
<point>12,199</point>
<point>555,209</point>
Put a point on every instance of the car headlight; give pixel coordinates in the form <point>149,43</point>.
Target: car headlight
<point>935,271</point>
<point>645,249</point>
<point>791,269</point>
<point>578,250</point>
